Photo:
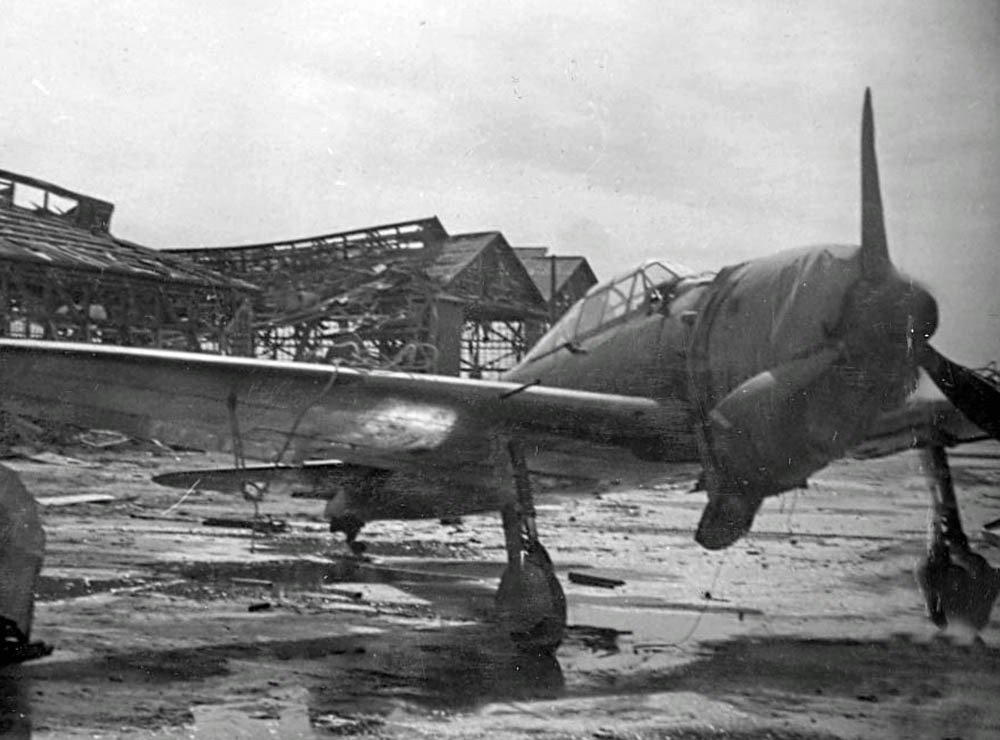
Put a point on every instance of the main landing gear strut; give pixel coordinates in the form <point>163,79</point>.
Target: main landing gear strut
<point>530,603</point>
<point>957,583</point>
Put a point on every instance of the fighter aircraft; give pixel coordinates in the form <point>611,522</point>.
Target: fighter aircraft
<point>763,373</point>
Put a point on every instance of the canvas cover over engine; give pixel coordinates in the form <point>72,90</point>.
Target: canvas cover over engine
<point>778,399</point>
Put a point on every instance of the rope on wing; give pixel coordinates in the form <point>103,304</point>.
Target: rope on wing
<point>252,491</point>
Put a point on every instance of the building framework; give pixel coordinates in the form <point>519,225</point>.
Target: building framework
<point>406,296</point>
<point>64,276</point>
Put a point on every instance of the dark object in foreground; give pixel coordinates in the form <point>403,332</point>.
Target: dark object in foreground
<point>15,646</point>
<point>260,606</point>
<point>22,542</point>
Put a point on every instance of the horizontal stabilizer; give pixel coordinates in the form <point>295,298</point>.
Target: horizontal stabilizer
<point>325,475</point>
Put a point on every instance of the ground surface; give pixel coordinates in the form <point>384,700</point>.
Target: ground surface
<point>810,628</point>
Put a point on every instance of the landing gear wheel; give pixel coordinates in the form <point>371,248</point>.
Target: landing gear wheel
<point>530,603</point>
<point>351,527</point>
<point>958,584</point>
<point>959,589</point>
<point>932,576</point>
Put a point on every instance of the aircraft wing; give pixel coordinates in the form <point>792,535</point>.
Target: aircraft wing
<point>918,423</point>
<point>289,412</point>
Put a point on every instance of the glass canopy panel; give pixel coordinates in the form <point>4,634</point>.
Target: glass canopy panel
<point>618,299</point>
<point>656,274</point>
<point>592,312</point>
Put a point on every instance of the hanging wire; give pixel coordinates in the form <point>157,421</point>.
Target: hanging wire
<point>251,490</point>
<point>697,620</point>
<point>172,507</point>
<point>791,510</point>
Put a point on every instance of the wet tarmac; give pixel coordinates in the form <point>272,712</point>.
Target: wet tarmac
<point>811,628</point>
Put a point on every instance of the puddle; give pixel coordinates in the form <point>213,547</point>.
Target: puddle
<point>454,590</point>
<point>302,574</point>
<point>651,628</point>
<point>309,574</point>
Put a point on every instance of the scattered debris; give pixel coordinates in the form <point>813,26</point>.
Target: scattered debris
<point>311,494</point>
<point>182,517</point>
<point>75,498</point>
<point>356,595</point>
<point>51,458</point>
<point>147,586</point>
<point>585,579</point>
<point>101,438</point>
<point>709,597</point>
<point>602,640</point>
<point>605,734</point>
<point>334,724</point>
<point>653,647</point>
<point>252,582</point>
<point>119,591</point>
<point>266,525</point>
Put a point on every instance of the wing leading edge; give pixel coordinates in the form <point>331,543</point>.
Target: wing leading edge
<point>297,411</point>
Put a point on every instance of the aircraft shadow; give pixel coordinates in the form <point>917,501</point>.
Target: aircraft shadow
<point>462,668</point>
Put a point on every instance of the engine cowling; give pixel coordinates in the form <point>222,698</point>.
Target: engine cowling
<point>793,358</point>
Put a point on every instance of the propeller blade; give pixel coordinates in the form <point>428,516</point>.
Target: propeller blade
<point>875,261</point>
<point>969,392</point>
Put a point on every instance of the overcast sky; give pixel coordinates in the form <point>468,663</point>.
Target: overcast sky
<point>706,133</point>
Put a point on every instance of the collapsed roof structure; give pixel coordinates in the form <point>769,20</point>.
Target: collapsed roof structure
<point>64,276</point>
<point>406,296</point>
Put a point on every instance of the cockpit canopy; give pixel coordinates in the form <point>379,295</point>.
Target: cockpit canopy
<point>611,301</point>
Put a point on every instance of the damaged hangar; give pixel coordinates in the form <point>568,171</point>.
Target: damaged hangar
<point>64,276</point>
<point>406,296</point>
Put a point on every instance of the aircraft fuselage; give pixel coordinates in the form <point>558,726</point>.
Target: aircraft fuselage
<point>779,364</point>
<point>628,336</point>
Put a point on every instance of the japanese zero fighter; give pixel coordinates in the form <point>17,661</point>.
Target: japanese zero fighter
<point>763,373</point>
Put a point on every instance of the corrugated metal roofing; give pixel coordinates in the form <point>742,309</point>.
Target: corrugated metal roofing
<point>45,238</point>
